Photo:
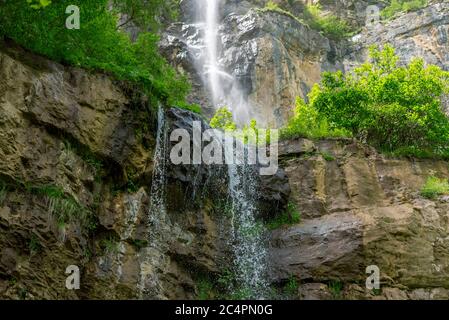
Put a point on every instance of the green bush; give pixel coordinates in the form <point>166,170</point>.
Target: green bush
<point>307,122</point>
<point>435,187</point>
<point>223,119</point>
<point>397,6</point>
<point>97,45</point>
<point>389,106</point>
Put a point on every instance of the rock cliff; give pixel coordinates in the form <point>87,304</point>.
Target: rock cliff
<point>78,161</point>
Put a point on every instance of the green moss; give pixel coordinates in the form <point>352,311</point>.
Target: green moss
<point>205,289</point>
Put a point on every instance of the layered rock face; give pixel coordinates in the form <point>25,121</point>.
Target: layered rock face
<point>63,128</point>
<point>276,58</point>
<point>361,209</point>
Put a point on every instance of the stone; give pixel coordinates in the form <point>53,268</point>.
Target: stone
<point>314,291</point>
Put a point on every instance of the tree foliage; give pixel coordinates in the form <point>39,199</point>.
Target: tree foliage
<point>223,119</point>
<point>390,106</point>
<point>149,14</point>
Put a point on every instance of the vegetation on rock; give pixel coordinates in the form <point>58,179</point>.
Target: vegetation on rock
<point>397,6</point>
<point>289,217</point>
<point>331,26</point>
<point>394,108</point>
<point>435,187</point>
<point>99,44</point>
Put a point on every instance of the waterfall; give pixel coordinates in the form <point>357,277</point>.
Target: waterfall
<point>157,207</point>
<point>250,253</point>
<point>249,243</point>
<point>224,88</point>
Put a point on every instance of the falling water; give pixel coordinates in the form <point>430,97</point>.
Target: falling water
<point>157,209</point>
<point>224,89</point>
<point>248,242</point>
<point>210,39</point>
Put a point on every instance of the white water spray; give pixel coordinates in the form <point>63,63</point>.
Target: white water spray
<point>157,210</point>
<point>224,88</point>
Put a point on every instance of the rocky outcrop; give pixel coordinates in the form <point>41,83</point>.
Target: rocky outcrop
<point>92,138</point>
<point>422,33</point>
<point>359,209</point>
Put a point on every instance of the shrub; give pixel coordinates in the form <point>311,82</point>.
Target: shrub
<point>389,106</point>
<point>307,122</point>
<point>435,187</point>
<point>97,45</point>
<point>223,119</point>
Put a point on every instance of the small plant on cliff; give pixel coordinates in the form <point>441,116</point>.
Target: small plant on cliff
<point>397,6</point>
<point>435,187</point>
<point>34,244</point>
<point>331,25</point>
<point>289,217</point>
<point>109,245</point>
<point>327,156</point>
<point>291,287</point>
<point>335,288</point>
